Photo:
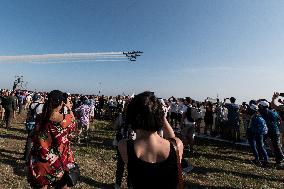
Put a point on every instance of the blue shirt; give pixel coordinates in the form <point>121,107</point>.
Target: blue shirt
<point>257,125</point>
<point>272,120</point>
<point>21,99</point>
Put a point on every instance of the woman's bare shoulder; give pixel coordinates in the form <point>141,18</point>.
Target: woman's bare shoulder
<point>56,117</point>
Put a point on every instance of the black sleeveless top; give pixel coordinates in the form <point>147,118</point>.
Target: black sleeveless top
<point>144,175</point>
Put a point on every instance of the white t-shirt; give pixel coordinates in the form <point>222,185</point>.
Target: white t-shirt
<point>39,108</point>
<point>29,98</point>
<point>173,107</point>
<point>182,108</point>
<point>122,102</point>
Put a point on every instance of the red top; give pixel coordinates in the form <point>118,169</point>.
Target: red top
<point>46,165</point>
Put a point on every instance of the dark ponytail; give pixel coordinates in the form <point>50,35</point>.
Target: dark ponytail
<point>54,99</point>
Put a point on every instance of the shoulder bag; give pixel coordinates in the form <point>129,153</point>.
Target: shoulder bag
<point>74,171</point>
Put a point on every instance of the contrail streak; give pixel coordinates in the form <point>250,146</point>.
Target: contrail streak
<point>64,58</point>
<point>75,61</point>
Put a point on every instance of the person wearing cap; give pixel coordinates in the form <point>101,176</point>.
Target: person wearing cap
<point>255,135</point>
<point>280,110</point>
<point>272,121</point>
<point>233,118</point>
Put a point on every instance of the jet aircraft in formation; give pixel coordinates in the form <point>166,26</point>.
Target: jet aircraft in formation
<point>132,55</point>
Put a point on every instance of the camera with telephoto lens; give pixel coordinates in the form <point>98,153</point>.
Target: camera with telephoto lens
<point>64,110</point>
<point>281,94</point>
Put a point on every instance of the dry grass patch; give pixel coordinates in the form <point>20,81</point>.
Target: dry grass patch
<point>215,166</point>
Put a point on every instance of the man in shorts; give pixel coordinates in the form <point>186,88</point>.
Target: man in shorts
<point>188,124</point>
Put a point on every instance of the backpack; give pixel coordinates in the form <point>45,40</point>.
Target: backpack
<point>32,114</point>
<point>188,114</point>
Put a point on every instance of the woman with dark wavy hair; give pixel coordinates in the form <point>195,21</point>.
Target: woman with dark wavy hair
<point>51,155</point>
<point>151,160</point>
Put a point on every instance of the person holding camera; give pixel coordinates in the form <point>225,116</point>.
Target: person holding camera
<point>188,124</point>
<point>152,161</point>
<point>272,121</point>
<point>233,119</point>
<point>51,160</point>
<point>280,110</point>
<point>255,132</point>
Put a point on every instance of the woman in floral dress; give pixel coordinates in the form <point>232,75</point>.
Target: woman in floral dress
<point>83,112</point>
<point>51,154</point>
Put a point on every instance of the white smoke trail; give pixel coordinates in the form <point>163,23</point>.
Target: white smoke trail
<point>64,58</point>
<point>77,61</point>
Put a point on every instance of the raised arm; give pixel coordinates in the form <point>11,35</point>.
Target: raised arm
<point>167,129</point>
<point>273,105</point>
<point>169,134</point>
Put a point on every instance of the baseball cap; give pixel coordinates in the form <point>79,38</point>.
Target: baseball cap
<point>252,102</point>
<point>162,101</point>
<point>232,99</point>
<point>263,103</point>
<point>253,107</point>
<point>36,97</point>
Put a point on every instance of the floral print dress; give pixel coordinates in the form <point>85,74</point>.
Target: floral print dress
<point>84,115</point>
<point>46,165</point>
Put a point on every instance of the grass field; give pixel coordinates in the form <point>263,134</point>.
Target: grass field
<point>215,165</point>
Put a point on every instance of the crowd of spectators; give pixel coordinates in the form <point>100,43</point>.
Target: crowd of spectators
<point>147,118</point>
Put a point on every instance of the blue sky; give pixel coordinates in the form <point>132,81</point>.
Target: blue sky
<point>191,48</point>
